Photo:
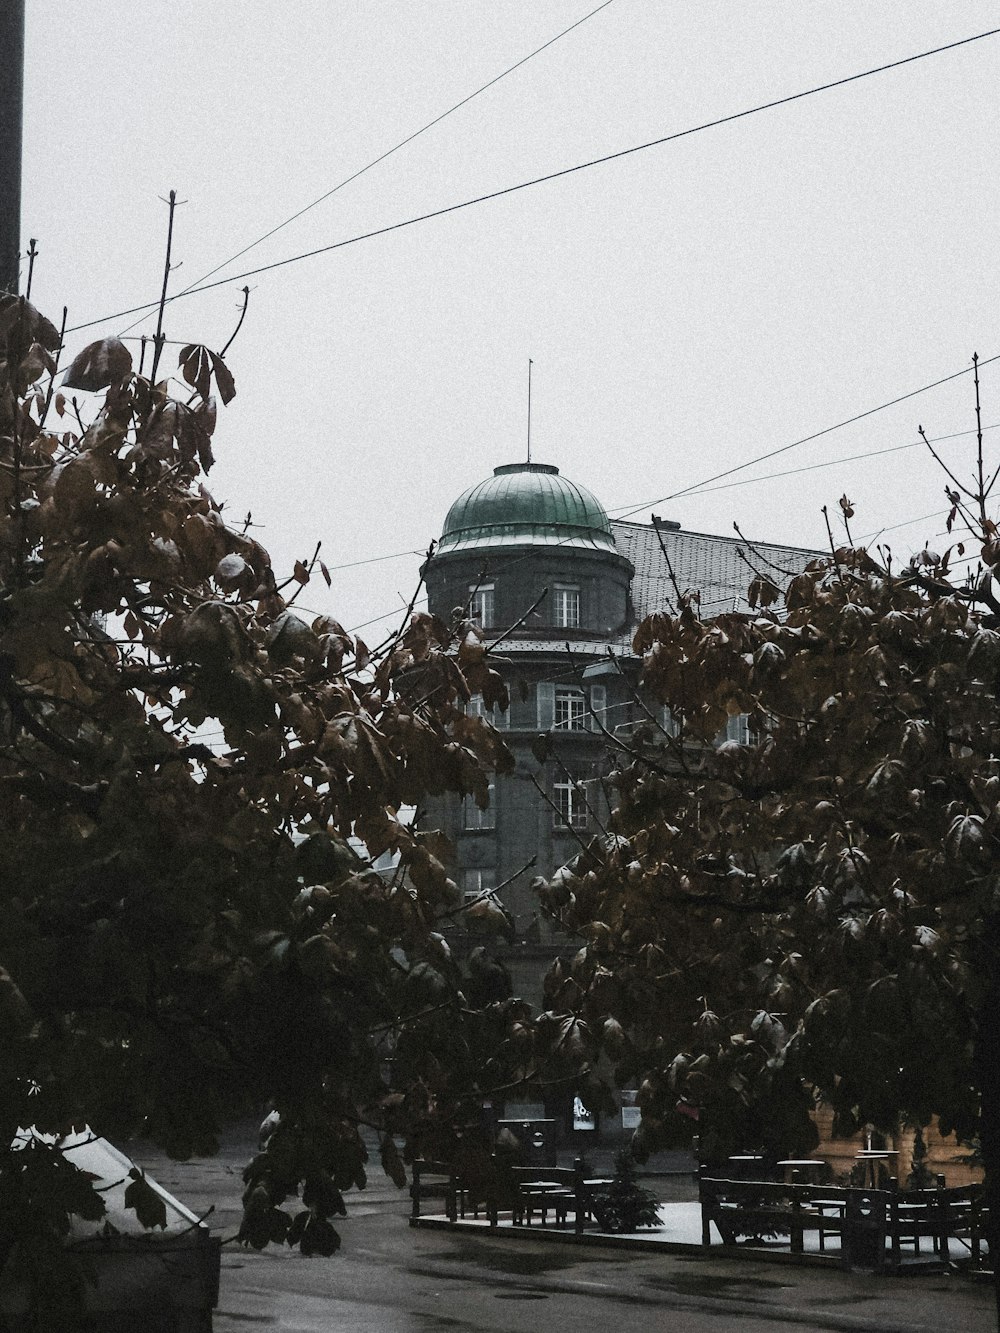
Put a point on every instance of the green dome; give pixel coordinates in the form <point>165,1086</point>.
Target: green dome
<point>526,504</point>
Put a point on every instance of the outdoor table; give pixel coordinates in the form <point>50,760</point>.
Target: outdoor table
<point>869,1159</point>
<point>540,1195</point>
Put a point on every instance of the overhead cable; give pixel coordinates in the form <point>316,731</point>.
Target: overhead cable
<point>806,439</point>
<point>389,152</point>
<point>549,176</point>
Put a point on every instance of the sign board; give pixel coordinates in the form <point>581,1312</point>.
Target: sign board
<point>582,1117</point>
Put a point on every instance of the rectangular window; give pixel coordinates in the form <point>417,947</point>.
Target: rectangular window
<point>571,809</point>
<point>738,729</point>
<point>476,882</point>
<point>570,710</point>
<point>668,723</point>
<point>566,606</point>
<point>598,707</point>
<point>546,695</point>
<point>474,818</point>
<point>481,604</point>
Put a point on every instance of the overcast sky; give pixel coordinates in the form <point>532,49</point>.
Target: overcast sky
<point>687,308</point>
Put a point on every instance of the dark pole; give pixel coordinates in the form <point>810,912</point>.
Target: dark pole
<point>11,115</point>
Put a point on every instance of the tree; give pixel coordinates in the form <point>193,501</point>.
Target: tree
<point>814,911</point>
<point>193,781</point>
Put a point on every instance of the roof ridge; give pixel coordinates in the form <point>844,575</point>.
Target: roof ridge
<point>718,537</point>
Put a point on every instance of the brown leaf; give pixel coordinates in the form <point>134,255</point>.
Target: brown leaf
<point>196,366</point>
<point>224,379</point>
<point>101,364</point>
<point>16,311</point>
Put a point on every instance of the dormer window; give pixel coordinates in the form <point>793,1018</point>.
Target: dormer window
<point>566,606</point>
<point>481,604</point>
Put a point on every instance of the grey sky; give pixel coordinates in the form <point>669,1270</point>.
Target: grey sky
<point>686,308</point>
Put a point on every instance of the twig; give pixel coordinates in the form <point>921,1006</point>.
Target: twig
<point>779,569</point>
<point>520,620</point>
<point>670,569</point>
<point>833,546</point>
<point>472,593</point>
<point>158,338</point>
<point>394,638</point>
<point>32,252</point>
<point>52,378</point>
<point>943,465</point>
<point>488,893</point>
<point>239,324</point>
<point>550,802</point>
<point>292,578</point>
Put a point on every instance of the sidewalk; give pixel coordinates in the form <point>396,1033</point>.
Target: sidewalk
<point>679,1232</point>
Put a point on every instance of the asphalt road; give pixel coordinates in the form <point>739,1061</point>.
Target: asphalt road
<point>391,1278</point>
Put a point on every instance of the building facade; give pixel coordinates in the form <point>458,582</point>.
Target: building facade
<point>559,588</point>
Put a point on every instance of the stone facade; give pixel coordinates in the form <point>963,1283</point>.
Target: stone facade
<point>535,558</point>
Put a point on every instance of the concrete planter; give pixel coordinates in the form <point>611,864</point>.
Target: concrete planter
<point>161,1281</point>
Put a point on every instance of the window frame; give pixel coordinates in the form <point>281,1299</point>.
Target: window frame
<point>481,874</point>
<point>566,612</point>
<point>482,604</point>
<point>571,810</point>
<point>576,717</point>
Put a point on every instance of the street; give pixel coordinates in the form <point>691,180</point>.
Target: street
<point>393,1278</point>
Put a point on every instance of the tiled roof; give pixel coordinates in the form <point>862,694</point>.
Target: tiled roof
<point>720,568</point>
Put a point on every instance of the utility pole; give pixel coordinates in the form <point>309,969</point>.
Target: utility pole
<point>11,117</point>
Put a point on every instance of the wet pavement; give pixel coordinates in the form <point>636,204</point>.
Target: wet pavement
<point>392,1278</point>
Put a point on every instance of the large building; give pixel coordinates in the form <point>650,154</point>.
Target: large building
<point>536,560</point>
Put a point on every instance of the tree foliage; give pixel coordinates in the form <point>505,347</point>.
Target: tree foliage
<point>194,777</point>
<point>813,912</point>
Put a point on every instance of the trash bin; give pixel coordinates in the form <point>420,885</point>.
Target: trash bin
<point>536,1140</point>
<point>863,1237</point>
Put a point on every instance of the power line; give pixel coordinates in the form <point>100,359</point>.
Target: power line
<point>396,555</point>
<point>732,485</point>
<point>626,511</point>
<point>388,153</point>
<point>835,462</point>
<point>906,523</point>
<point>549,176</point>
<point>806,439</point>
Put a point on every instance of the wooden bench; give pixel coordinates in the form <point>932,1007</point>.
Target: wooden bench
<point>558,1189</point>
<point>527,1193</point>
<point>864,1219</point>
<point>939,1215</point>
<point>758,1207</point>
<point>435,1180</point>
